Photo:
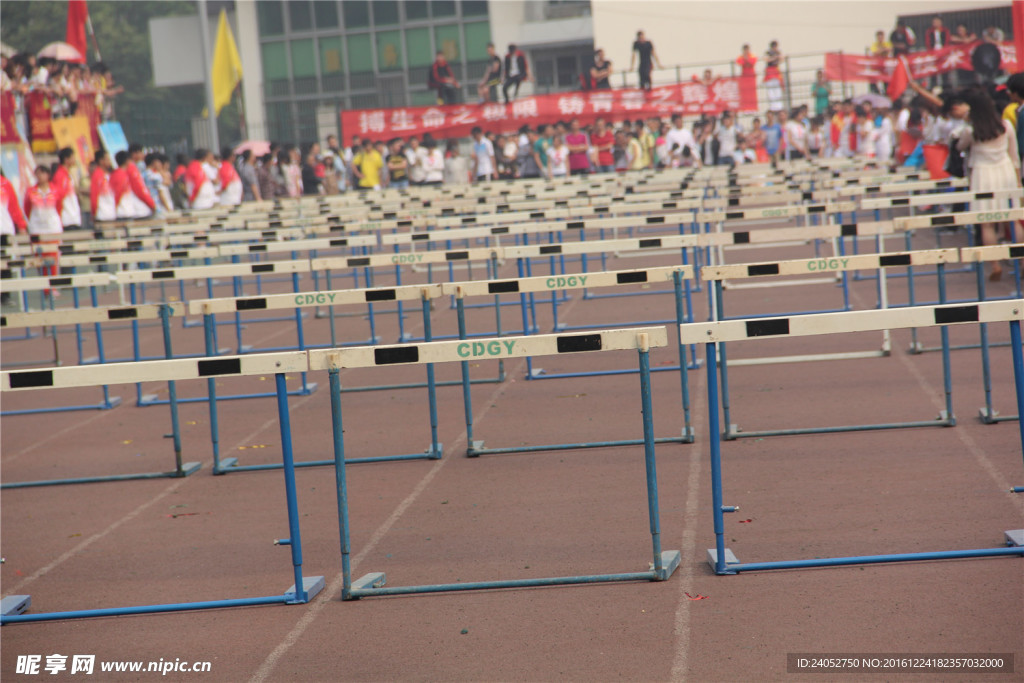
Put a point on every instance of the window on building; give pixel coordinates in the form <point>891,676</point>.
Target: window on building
<point>442,8</point>
<point>270,18</point>
<point>326,13</point>
<point>360,53</point>
<point>357,13</point>
<point>279,121</point>
<point>330,55</point>
<point>417,47</point>
<point>474,8</point>
<point>447,40</point>
<point>389,51</point>
<point>303,61</point>
<point>416,10</point>
<point>385,12</point>
<point>275,62</point>
<point>300,14</point>
<point>478,34</point>
<point>544,72</point>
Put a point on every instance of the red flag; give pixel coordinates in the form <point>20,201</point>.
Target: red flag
<point>1018,31</point>
<point>899,79</point>
<point>78,14</point>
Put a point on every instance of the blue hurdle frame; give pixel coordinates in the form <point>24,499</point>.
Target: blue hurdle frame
<point>724,562</point>
<point>301,592</point>
<point>373,584</point>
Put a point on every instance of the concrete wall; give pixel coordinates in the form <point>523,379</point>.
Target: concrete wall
<point>687,32</point>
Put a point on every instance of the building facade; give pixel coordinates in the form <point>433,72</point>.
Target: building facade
<point>317,57</point>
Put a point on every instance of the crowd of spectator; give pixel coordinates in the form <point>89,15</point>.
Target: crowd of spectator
<point>65,84</point>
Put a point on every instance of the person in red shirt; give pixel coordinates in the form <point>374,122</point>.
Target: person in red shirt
<point>71,210</point>
<point>42,211</point>
<point>746,61</point>
<point>201,194</point>
<point>180,166</point>
<point>230,182</point>
<point>142,204</point>
<point>101,196</point>
<point>11,217</point>
<point>603,140</point>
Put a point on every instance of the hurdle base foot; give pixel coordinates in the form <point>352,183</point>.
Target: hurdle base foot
<point>225,465</point>
<point>730,558</point>
<point>367,583</point>
<point>689,436</point>
<point>474,449</point>
<point>732,432</point>
<point>946,419</point>
<point>147,399</point>
<point>434,453</point>
<point>916,348</point>
<point>19,604</point>
<point>988,416</point>
<point>311,584</point>
<point>244,348</point>
<point>309,389</point>
<point>670,560</point>
<point>534,373</point>
<point>114,402</point>
<point>188,468</point>
<point>1015,537</point>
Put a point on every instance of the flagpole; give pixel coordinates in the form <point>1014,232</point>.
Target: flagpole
<point>204,34</point>
<point>95,43</point>
<point>241,112</point>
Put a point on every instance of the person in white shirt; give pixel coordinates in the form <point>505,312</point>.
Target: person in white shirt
<point>885,136</point>
<point>727,134</point>
<point>680,137</point>
<point>433,163</point>
<point>558,157</point>
<point>795,135</point>
<point>865,131</point>
<point>484,165</point>
<point>415,154</point>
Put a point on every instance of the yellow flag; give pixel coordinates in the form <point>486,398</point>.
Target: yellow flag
<point>227,65</point>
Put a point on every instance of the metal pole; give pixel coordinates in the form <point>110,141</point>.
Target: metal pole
<point>204,36</point>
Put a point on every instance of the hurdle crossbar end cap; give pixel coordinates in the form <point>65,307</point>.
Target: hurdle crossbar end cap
<point>18,604</point>
<point>1015,537</point>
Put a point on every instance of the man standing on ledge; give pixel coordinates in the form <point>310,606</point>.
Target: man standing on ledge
<point>648,57</point>
<point>516,70</point>
<point>600,71</point>
<point>443,80</point>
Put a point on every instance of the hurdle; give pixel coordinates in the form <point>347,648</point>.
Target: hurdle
<point>721,558</point>
<point>938,257</point>
<point>304,588</point>
<point>640,339</point>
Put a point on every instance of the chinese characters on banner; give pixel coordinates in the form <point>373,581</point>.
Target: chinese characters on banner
<point>8,122</point>
<point>842,67</point>
<point>39,116</point>
<point>690,99</point>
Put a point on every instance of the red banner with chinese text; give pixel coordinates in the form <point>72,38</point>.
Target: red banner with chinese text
<point>39,114</point>
<point>8,122</point>
<point>689,99</point>
<point>842,67</point>
<point>87,108</point>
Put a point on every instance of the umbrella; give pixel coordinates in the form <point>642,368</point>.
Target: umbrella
<point>874,99</point>
<point>258,147</point>
<point>62,52</point>
<point>7,51</point>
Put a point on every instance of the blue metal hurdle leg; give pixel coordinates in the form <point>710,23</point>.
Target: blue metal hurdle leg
<point>373,584</point>
<point>302,591</point>
<point>1018,377</point>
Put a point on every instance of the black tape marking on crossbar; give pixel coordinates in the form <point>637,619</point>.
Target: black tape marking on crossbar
<point>763,269</point>
<point>501,287</point>
<point>533,214</point>
<point>984,195</point>
<point>134,244</point>
<point>577,225</point>
<point>944,183</point>
<point>625,278</point>
<point>263,268</point>
<point>767,328</point>
<point>604,209</point>
<point>870,188</point>
<point>807,196</point>
<point>650,243</point>
<point>456,255</point>
<point>943,220</point>
<point>732,215</point>
<point>562,203</point>
<point>734,201</point>
<point>389,215</point>
<point>356,262</point>
<point>470,219</point>
<point>904,201</point>
<point>250,304</point>
<point>405,224</point>
<point>380,295</point>
<point>255,248</point>
<point>3,321</point>
<point>396,354</point>
<point>654,220</point>
<point>551,249</point>
<point>220,366</point>
<point>420,236</point>
<point>816,209</point>
<point>268,234</point>
<point>848,230</point>
<point>58,281</point>
<point>6,274</point>
<point>122,313</point>
<point>201,238</point>
<point>274,224</point>
<point>1016,252</point>
<point>163,275</point>
<point>340,242</point>
<point>741,238</point>
<point>103,259</point>
<point>956,314</point>
<point>31,378</point>
<point>894,260</point>
<point>502,230</point>
<point>578,342</point>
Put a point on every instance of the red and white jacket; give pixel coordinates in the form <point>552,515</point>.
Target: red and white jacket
<point>43,210</point>
<point>201,194</point>
<point>11,216</point>
<point>101,197</point>
<point>71,210</point>
<point>230,183</point>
